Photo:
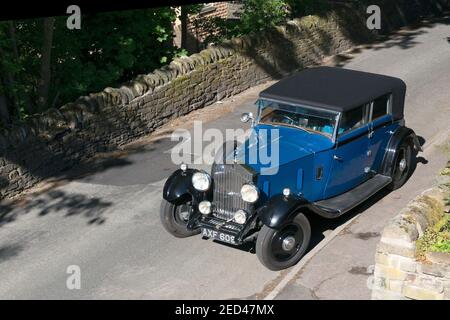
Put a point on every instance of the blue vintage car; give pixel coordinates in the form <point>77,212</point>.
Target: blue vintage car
<point>341,138</point>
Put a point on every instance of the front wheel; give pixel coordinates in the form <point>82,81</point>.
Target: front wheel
<point>174,219</point>
<point>283,247</point>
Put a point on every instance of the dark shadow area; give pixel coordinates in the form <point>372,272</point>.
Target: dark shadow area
<point>246,246</point>
<point>319,225</point>
<point>145,163</point>
<point>57,202</point>
<point>3,182</point>
<point>9,251</point>
<point>421,140</point>
<point>404,39</point>
<point>391,36</point>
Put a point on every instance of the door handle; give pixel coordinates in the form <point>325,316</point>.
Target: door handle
<point>335,157</point>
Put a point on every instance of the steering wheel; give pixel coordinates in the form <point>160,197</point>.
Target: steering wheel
<point>283,119</point>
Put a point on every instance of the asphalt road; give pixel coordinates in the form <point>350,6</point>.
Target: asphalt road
<point>107,222</point>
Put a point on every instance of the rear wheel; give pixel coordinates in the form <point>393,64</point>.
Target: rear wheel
<point>283,247</point>
<point>402,164</point>
<point>175,218</point>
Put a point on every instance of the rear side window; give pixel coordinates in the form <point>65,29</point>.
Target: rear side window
<point>353,119</point>
<point>381,106</point>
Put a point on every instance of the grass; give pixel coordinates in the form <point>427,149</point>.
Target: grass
<point>437,237</point>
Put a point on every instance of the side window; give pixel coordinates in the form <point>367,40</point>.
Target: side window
<point>354,119</point>
<point>381,106</point>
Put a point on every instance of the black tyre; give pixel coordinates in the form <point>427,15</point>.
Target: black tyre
<point>402,164</point>
<point>174,219</point>
<point>283,247</point>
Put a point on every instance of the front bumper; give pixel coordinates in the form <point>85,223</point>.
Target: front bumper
<point>238,231</point>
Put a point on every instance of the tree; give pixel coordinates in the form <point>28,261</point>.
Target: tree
<point>45,72</point>
<point>43,64</point>
<point>256,16</point>
<point>185,11</point>
<point>259,15</point>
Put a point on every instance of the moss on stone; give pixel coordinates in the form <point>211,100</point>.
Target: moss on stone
<point>436,237</point>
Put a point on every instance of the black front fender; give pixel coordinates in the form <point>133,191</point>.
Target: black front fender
<point>280,209</point>
<point>178,187</point>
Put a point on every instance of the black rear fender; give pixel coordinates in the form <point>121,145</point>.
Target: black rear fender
<point>391,150</point>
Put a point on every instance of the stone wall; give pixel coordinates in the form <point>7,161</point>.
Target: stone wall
<point>398,274</point>
<point>46,145</point>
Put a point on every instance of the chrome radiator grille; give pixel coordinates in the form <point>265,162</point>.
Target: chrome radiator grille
<point>228,180</point>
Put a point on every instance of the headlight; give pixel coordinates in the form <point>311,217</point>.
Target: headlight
<point>204,207</point>
<point>240,216</point>
<point>201,181</point>
<point>249,193</point>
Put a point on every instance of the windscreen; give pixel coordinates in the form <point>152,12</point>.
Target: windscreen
<point>302,117</point>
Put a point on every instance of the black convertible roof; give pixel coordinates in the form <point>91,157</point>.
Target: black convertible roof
<point>337,89</point>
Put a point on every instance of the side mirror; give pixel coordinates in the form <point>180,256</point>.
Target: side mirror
<point>245,117</point>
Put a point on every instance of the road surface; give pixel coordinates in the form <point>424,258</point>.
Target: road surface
<point>107,222</point>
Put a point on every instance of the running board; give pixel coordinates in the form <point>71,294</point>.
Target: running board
<point>347,201</point>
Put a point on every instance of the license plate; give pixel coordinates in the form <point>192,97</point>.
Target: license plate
<point>217,235</point>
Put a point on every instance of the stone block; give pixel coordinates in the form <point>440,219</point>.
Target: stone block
<point>419,293</point>
<point>397,246</point>
<point>395,285</point>
<point>389,273</point>
<point>381,294</point>
<point>436,269</point>
<point>438,257</point>
<point>401,228</point>
<point>396,261</point>
<point>403,263</point>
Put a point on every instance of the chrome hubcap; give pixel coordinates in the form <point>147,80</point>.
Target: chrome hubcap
<point>184,215</point>
<point>288,243</point>
<point>402,165</point>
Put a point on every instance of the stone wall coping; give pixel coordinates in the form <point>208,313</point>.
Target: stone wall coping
<point>398,274</point>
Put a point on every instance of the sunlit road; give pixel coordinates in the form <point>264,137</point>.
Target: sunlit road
<point>107,223</point>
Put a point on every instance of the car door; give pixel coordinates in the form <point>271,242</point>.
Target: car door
<point>381,127</point>
<point>350,160</point>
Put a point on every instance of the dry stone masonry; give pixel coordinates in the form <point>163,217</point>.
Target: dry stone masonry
<point>398,274</point>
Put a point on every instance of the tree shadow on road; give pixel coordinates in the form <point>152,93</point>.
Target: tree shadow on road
<point>57,202</point>
<point>405,38</point>
<point>9,251</point>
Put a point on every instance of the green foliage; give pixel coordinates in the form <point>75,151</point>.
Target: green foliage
<point>435,238</point>
<point>259,15</point>
<point>256,16</point>
<point>110,48</point>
